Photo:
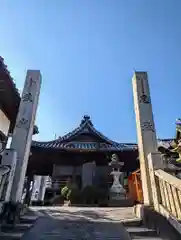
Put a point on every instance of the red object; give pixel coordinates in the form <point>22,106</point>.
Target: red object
<point>135,187</point>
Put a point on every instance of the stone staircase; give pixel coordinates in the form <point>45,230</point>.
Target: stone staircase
<point>138,231</point>
<point>8,232</point>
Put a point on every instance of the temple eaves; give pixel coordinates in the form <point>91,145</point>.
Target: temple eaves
<point>86,126</point>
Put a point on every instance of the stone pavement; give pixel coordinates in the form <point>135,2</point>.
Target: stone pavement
<point>7,232</point>
<point>70,223</point>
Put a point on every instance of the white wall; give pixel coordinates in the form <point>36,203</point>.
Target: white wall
<point>36,188</point>
<point>4,123</point>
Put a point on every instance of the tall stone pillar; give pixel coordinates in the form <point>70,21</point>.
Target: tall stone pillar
<point>22,135</point>
<point>146,134</point>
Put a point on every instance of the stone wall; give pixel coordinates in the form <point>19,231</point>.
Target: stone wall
<point>158,222</point>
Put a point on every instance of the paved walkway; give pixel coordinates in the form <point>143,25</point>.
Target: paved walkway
<point>69,223</point>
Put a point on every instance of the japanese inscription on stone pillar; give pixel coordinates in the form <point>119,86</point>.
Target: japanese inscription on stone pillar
<point>23,121</point>
<point>22,135</point>
<point>147,126</point>
<point>144,98</point>
<point>146,133</point>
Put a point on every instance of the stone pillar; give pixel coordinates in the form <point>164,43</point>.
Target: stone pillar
<point>43,186</point>
<point>22,135</point>
<point>146,134</point>
<point>36,188</point>
<point>9,159</point>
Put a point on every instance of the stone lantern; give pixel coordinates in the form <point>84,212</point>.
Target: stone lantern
<point>117,191</point>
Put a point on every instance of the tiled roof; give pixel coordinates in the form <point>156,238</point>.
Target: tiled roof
<point>9,97</point>
<point>83,145</point>
<point>86,126</point>
<point>10,79</point>
<point>165,143</point>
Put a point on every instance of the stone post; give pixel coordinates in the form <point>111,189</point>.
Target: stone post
<point>43,186</point>
<point>22,135</point>
<point>146,134</point>
<point>154,162</point>
<point>36,188</point>
<point>88,173</point>
<point>9,158</point>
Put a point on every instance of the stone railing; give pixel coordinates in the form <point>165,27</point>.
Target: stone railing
<point>165,191</point>
<point>169,193</point>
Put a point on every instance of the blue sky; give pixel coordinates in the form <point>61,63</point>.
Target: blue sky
<point>87,51</point>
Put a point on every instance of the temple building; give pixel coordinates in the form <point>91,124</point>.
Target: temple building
<point>67,156</point>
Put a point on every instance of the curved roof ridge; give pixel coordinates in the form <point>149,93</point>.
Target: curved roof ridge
<point>70,134</point>
<point>44,142</point>
<point>60,139</point>
<point>112,141</point>
<point>165,139</point>
<point>86,124</point>
<point>87,121</point>
<point>102,136</point>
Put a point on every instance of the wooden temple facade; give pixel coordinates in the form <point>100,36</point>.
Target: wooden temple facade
<point>65,157</point>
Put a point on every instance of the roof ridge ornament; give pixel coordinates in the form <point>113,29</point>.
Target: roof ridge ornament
<point>86,119</point>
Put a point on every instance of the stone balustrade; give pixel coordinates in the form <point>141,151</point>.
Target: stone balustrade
<point>165,192</point>
<point>169,193</point>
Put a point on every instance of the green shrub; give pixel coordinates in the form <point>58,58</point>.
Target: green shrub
<point>73,196</point>
<point>89,194</point>
<point>71,193</point>
<point>64,191</point>
<point>102,194</point>
<point>94,195</point>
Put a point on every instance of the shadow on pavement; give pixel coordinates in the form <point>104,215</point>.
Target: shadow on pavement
<point>80,225</point>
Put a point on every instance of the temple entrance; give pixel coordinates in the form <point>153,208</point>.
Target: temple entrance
<point>94,176</point>
<point>83,156</point>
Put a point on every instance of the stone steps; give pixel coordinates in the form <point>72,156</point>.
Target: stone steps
<point>147,238</point>
<point>10,236</point>
<point>28,219</point>
<point>141,231</point>
<point>8,232</point>
<point>137,231</point>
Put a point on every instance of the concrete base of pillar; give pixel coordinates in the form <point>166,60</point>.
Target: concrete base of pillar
<point>126,202</point>
<point>37,203</point>
<point>9,159</point>
<point>159,223</point>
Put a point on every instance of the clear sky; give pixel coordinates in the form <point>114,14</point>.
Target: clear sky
<point>87,51</point>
